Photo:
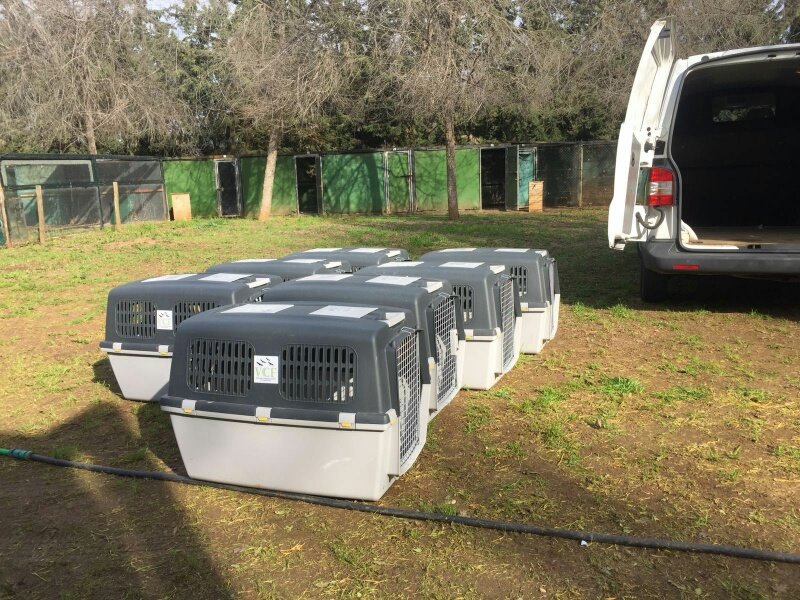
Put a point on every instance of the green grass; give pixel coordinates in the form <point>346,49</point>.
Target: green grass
<point>670,420</point>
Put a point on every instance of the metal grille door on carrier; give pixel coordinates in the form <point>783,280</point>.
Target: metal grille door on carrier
<point>409,391</point>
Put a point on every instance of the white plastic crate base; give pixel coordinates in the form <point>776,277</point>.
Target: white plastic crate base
<point>536,327</point>
<point>483,360</point>
<point>141,377</point>
<point>359,464</point>
<point>555,312</point>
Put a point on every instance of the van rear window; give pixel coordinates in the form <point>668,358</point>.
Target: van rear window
<point>729,108</point>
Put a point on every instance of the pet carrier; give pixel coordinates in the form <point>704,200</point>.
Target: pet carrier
<point>358,258</point>
<point>285,268</point>
<point>142,316</point>
<point>536,279</point>
<point>490,310</point>
<point>301,397</point>
<point>431,304</point>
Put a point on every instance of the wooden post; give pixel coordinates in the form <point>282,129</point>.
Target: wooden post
<point>4,217</point>
<point>117,217</point>
<point>580,175</point>
<point>40,213</point>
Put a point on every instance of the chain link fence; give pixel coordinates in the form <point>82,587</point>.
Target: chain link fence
<point>77,193</point>
<point>576,174</point>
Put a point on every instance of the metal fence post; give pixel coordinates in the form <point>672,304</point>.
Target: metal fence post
<point>4,217</point>
<point>40,213</point>
<point>117,217</point>
<point>580,175</point>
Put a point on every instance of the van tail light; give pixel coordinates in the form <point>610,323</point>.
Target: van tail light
<point>660,187</point>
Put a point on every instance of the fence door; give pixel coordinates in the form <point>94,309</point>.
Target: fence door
<point>512,177</point>
<point>398,181</point>
<point>525,175</point>
<point>227,176</point>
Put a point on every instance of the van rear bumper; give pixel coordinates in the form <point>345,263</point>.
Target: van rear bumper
<point>667,257</point>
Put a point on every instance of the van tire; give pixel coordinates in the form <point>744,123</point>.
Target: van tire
<point>653,286</point>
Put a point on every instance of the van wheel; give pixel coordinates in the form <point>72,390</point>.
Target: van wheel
<point>652,285</point>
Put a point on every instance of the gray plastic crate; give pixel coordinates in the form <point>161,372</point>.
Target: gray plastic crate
<point>490,310</point>
<point>302,396</point>
<point>358,258</point>
<point>536,276</point>
<point>432,306</point>
<point>142,317</point>
<point>285,268</point>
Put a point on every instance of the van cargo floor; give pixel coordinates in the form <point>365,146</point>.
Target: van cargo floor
<point>744,236</point>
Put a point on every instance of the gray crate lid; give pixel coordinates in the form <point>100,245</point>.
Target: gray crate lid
<point>286,268</point>
<point>357,257</point>
<point>417,295</point>
<point>477,283</point>
<point>535,283</point>
<point>286,353</point>
<point>143,315</point>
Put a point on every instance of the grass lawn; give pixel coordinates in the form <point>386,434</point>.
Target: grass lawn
<point>679,420</point>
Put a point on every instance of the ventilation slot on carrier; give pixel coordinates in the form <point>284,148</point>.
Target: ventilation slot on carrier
<point>444,322</point>
<point>409,392</point>
<point>465,293</point>
<point>183,310</point>
<point>520,273</point>
<point>220,367</point>
<point>318,373</point>
<point>507,320</point>
<point>135,318</point>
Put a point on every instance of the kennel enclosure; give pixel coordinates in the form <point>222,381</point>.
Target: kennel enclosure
<point>490,310</point>
<point>143,316</point>
<point>433,310</point>
<point>303,397</point>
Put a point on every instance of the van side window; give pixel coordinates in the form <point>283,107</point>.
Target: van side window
<point>729,108</point>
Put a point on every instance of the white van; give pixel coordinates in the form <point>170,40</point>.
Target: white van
<point>708,162</point>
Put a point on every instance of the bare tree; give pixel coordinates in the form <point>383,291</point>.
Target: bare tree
<point>450,60</point>
<point>78,73</point>
<point>288,62</point>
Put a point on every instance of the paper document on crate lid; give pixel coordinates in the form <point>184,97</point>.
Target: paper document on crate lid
<point>393,279</point>
<point>462,265</point>
<point>326,277</point>
<point>225,277</point>
<point>351,312</point>
<point>401,263</point>
<point>323,250</point>
<point>169,277</point>
<point>367,250</point>
<point>257,309</point>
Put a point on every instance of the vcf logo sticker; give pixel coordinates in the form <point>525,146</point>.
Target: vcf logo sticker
<point>266,369</point>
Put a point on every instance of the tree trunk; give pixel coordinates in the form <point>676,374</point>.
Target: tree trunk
<point>791,13</point>
<point>91,142</point>
<point>452,190</point>
<point>269,174</point>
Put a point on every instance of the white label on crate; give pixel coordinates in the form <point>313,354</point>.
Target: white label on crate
<point>402,263</point>
<point>432,286</point>
<point>522,250</point>
<point>258,282</point>
<point>541,252</point>
<point>266,369</point>
<point>497,268</point>
<point>393,253</point>
<point>393,280</point>
<point>257,308</point>
<point>225,277</point>
<point>333,264</point>
<point>164,319</point>
<point>351,312</point>
<point>323,250</point>
<point>256,260</point>
<point>457,250</point>
<point>326,277</point>
<point>461,265</point>
<point>367,250</point>
<point>305,261</point>
<point>169,277</point>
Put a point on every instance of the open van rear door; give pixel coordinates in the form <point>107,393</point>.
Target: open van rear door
<point>638,134</point>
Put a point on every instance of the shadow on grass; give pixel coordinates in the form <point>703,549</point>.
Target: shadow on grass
<point>104,374</point>
<point>96,536</point>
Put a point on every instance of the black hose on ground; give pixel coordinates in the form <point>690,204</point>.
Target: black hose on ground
<point>401,513</point>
